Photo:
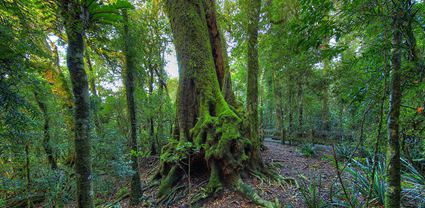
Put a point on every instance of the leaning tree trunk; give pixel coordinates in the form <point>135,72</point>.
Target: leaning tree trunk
<point>392,194</point>
<point>46,131</point>
<point>92,88</point>
<point>207,131</point>
<point>74,26</point>
<point>55,77</point>
<point>136,186</point>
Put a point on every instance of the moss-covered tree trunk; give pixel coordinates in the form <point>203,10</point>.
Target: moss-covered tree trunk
<point>221,60</point>
<point>392,194</point>
<point>253,73</point>
<point>207,128</point>
<point>74,25</point>
<point>136,186</point>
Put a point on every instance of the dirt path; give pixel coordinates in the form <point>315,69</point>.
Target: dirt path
<point>293,165</point>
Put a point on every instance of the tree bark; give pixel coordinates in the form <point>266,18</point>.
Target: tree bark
<point>253,73</point>
<point>204,118</point>
<point>151,121</point>
<point>136,186</point>
<point>290,108</point>
<point>221,60</point>
<point>72,13</point>
<point>392,194</point>
<point>300,105</point>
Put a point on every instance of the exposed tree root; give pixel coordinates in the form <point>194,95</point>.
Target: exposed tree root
<point>219,141</point>
<point>250,193</point>
<point>176,193</point>
<point>269,175</point>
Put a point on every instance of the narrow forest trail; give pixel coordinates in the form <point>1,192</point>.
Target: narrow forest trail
<point>292,164</point>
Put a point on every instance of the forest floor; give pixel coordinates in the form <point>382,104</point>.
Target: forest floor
<point>292,164</point>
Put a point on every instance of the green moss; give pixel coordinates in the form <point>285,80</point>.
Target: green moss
<point>214,184</point>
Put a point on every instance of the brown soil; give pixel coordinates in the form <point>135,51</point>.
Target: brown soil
<point>293,165</point>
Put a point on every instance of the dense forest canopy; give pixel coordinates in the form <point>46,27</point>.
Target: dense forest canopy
<point>213,103</point>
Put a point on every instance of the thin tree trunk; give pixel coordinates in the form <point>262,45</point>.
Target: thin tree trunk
<point>341,117</point>
<point>290,113</point>
<point>261,104</point>
<point>300,105</point>
<point>277,91</point>
<point>74,25</point>
<point>136,186</point>
<point>325,96</point>
<point>151,121</point>
<point>46,131</point>
<point>253,73</point>
<point>56,78</point>
<point>160,126</point>
<point>392,194</point>
<point>92,85</point>
<point>379,131</point>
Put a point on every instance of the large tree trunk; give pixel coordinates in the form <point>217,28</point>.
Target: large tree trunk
<point>136,186</point>
<point>392,194</point>
<point>46,131</point>
<point>74,26</point>
<point>204,119</point>
<point>253,73</point>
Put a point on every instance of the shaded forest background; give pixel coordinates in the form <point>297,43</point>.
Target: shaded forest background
<point>326,73</point>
